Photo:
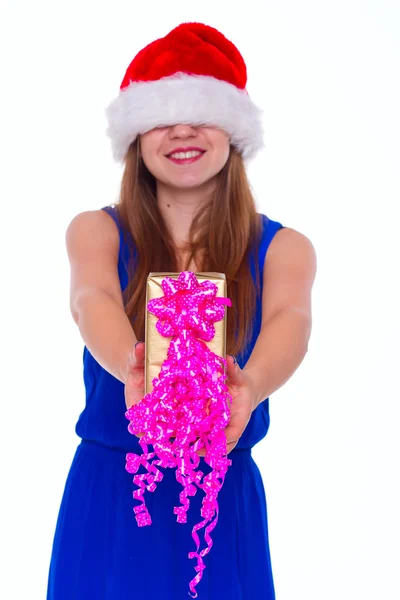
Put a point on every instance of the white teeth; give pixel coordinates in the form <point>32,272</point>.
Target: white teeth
<point>190,154</point>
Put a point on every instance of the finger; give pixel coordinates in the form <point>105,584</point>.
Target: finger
<point>235,428</point>
<point>229,447</point>
<point>135,393</point>
<point>140,351</point>
<point>233,371</point>
<point>135,361</point>
<point>134,386</point>
<point>230,363</point>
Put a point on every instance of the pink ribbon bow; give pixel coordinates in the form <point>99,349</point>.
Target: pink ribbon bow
<point>189,402</point>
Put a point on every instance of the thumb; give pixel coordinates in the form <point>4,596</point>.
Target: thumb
<point>136,357</point>
<point>234,374</point>
<point>139,352</point>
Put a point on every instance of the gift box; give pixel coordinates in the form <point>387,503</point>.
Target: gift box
<point>156,344</point>
<point>187,404</point>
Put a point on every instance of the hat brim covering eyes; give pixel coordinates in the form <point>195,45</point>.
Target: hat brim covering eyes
<point>194,75</point>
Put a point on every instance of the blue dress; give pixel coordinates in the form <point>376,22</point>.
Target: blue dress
<point>100,553</point>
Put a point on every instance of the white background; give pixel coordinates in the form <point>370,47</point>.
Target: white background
<point>327,76</point>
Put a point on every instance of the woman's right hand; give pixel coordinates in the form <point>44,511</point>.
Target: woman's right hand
<point>134,384</point>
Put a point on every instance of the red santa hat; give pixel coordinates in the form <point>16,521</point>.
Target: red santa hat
<point>192,75</point>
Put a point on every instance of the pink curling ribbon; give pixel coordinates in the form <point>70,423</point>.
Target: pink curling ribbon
<point>189,402</point>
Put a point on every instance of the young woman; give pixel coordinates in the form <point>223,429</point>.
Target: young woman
<point>182,125</point>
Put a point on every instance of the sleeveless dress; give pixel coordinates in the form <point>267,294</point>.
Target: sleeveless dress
<point>100,553</point>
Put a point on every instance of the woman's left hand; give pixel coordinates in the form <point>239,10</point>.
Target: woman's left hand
<point>242,390</point>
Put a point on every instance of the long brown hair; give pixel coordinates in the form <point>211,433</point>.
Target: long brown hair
<point>224,232</point>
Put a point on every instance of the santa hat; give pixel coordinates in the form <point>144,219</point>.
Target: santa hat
<point>192,75</point>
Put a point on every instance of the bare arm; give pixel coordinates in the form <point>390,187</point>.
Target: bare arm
<point>92,241</point>
<point>106,330</point>
<point>282,343</point>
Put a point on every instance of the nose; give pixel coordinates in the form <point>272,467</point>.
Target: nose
<point>182,130</point>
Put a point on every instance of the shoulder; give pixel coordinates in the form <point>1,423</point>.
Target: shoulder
<point>290,245</point>
<point>91,218</point>
<point>285,244</point>
<point>94,225</point>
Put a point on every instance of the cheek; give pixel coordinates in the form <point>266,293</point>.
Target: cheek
<point>151,140</point>
<point>224,151</point>
<point>223,144</point>
<point>149,152</point>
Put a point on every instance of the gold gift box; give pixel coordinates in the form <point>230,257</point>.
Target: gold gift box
<point>156,344</point>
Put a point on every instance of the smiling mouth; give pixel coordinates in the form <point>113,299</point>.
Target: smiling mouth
<point>185,161</point>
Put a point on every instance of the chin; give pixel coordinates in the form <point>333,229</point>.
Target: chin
<point>187,181</point>
<point>185,185</point>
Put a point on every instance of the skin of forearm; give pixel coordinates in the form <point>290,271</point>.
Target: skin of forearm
<point>106,331</point>
<point>279,350</point>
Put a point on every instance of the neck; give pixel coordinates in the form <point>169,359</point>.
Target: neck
<point>178,207</point>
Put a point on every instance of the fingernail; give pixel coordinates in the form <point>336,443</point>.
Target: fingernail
<point>234,359</point>
<point>139,342</point>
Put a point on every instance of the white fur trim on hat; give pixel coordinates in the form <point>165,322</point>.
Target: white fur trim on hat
<point>183,98</point>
